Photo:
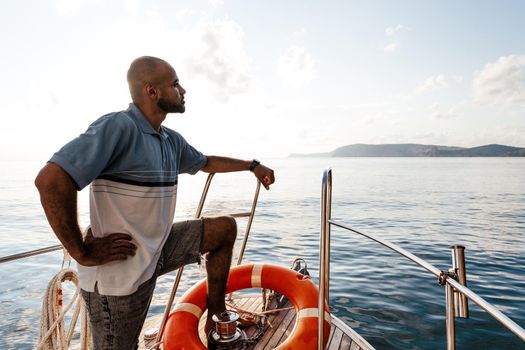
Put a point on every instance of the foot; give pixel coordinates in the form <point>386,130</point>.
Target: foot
<point>210,325</point>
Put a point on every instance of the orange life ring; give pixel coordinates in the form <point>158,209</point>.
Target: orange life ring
<point>181,331</point>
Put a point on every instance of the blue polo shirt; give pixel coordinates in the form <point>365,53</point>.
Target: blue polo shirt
<point>133,171</point>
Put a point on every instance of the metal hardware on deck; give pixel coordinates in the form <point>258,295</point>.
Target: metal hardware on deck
<point>297,265</point>
<point>442,278</point>
<point>324,252</point>
<point>226,335</point>
<point>456,302</point>
<point>458,265</point>
<point>455,290</point>
<point>450,322</point>
<point>150,334</point>
<point>226,324</point>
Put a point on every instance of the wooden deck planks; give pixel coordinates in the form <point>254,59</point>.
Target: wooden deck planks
<point>253,305</point>
<point>355,346</point>
<point>346,342</point>
<point>276,320</point>
<point>283,322</point>
<point>276,335</point>
<point>335,341</point>
<point>279,334</point>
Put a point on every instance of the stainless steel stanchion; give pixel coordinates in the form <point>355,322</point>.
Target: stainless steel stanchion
<point>451,332</point>
<point>458,264</point>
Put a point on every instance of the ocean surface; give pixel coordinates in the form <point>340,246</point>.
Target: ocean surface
<point>425,205</point>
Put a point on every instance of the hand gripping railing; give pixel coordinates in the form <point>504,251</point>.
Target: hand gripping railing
<point>456,292</point>
<point>198,214</point>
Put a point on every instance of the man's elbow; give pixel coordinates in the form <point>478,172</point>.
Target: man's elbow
<point>42,180</point>
<point>208,167</point>
<point>50,177</point>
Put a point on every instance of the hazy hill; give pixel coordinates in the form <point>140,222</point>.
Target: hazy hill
<point>417,150</point>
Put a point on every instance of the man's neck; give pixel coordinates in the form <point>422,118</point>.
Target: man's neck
<point>153,115</point>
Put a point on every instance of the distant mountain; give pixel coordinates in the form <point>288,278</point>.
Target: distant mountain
<point>416,150</point>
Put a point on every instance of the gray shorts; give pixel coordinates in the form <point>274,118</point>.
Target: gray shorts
<point>116,321</point>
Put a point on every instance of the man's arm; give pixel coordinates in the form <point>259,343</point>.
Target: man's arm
<point>58,196</point>
<point>224,165</point>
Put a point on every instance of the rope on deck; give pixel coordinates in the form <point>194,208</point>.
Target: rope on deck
<point>52,326</point>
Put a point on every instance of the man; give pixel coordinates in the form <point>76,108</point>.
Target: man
<point>132,163</point>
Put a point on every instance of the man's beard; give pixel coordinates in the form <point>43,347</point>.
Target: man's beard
<point>170,107</point>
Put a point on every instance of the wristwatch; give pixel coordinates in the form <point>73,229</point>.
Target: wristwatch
<point>255,162</point>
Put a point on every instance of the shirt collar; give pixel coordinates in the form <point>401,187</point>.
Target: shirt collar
<point>143,123</point>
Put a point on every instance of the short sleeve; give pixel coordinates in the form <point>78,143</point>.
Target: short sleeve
<point>85,157</point>
<point>191,160</point>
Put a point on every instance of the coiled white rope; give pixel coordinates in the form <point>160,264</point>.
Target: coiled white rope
<point>52,326</point>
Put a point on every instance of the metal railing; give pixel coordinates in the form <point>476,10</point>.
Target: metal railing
<point>324,253</point>
<point>198,214</point>
<point>454,280</point>
<point>30,253</point>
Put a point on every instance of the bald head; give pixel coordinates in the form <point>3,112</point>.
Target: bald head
<point>144,70</point>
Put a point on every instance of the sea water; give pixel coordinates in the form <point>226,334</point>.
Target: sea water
<point>424,205</point>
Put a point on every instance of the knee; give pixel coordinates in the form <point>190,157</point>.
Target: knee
<point>229,225</point>
<point>219,232</point>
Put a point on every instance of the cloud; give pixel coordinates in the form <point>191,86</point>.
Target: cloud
<point>501,82</point>
<point>296,66</point>
<point>392,34</point>
<point>437,82</point>
<point>219,56</point>
<point>391,47</point>
<point>433,82</point>
<point>392,30</point>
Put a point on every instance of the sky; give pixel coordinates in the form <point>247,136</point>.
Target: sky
<point>269,78</point>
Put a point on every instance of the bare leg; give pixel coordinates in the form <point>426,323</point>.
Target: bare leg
<point>218,240</point>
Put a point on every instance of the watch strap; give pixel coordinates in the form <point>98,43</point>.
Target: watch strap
<point>255,162</point>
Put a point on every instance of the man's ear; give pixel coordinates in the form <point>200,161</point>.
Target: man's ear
<point>151,91</point>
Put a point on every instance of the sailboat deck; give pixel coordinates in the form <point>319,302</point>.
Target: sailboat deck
<point>341,335</point>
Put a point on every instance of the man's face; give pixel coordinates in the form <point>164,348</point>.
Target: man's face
<point>172,95</point>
